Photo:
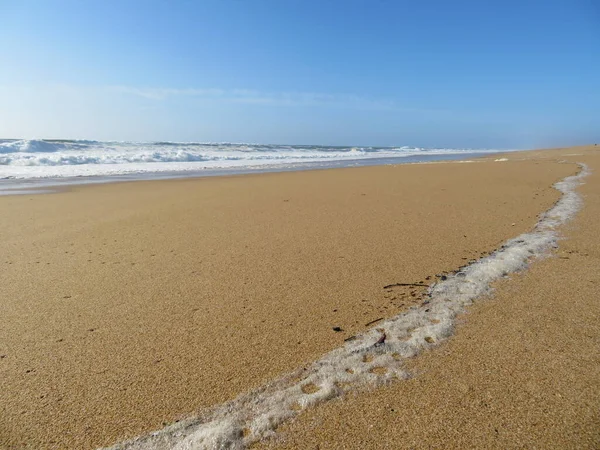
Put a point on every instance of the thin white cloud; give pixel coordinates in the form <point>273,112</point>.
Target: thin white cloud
<point>163,93</point>
<point>251,96</point>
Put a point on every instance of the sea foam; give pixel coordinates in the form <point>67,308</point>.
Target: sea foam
<point>372,358</point>
<point>42,159</point>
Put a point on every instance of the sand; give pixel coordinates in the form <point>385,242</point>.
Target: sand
<point>522,371</point>
<point>126,306</point>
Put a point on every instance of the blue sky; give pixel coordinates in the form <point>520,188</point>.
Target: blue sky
<point>496,74</point>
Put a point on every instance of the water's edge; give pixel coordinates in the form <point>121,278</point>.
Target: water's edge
<point>53,185</point>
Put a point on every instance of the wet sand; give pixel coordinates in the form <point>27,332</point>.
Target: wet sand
<point>127,306</point>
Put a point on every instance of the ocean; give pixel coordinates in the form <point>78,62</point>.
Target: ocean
<point>44,162</point>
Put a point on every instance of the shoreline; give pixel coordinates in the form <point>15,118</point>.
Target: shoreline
<point>36,186</point>
<point>372,224</point>
<point>32,186</point>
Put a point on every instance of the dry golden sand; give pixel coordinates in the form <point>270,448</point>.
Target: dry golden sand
<point>523,370</point>
<point>126,306</point>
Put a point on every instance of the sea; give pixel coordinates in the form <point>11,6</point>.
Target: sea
<point>42,163</point>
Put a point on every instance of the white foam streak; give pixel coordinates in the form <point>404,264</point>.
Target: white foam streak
<point>369,360</point>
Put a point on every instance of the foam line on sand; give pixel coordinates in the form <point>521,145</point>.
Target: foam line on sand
<point>372,358</point>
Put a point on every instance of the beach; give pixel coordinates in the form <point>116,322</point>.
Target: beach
<point>128,306</point>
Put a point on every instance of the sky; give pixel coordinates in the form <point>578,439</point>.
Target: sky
<point>469,74</point>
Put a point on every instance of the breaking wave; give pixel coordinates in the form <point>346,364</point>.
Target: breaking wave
<point>25,159</point>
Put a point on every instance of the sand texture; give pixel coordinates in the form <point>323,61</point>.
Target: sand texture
<point>522,371</point>
<point>124,307</point>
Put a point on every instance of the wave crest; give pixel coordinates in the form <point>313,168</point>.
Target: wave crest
<point>43,158</point>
